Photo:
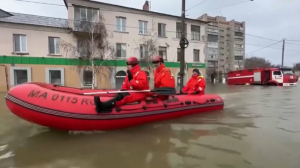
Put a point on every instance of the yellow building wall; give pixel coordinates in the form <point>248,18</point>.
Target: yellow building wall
<point>38,74</point>
<point>71,76</point>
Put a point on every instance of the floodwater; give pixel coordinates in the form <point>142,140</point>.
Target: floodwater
<point>259,127</point>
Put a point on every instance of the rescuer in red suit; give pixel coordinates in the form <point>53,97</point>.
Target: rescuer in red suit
<point>196,85</point>
<point>162,75</point>
<point>136,79</point>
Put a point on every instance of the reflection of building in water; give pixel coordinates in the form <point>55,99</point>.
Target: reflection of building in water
<point>206,145</point>
<point>128,148</point>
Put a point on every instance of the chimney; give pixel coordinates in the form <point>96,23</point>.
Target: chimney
<point>146,6</point>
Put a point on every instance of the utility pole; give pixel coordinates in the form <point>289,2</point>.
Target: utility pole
<point>282,58</point>
<point>182,62</point>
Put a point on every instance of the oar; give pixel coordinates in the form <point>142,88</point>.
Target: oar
<point>160,91</point>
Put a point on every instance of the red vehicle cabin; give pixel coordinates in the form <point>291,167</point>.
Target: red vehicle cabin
<point>263,76</point>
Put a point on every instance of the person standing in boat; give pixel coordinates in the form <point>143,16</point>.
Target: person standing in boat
<point>136,79</point>
<point>162,76</point>
<point>196,85</point>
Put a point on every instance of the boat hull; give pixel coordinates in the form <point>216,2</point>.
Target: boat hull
<point>38,107</point>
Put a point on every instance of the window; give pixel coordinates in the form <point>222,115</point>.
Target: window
<point>143,51</point>
<point>86,14</point>
<point>121,24</point>
<point>82,47</point>
<point>276,72</point>
<point>121,50</point>
<point>55,76</point>
<point>212,38</point>
<point>195,32</point>
<point>53,45</point>
<point>214,56</point>
<point>236,52</point>
<point>178,30</point>
<point>161,30</point>
<point>238,62</point>
<point>212,64</point>
<point>162,51</point>
<point>213,50</point>
<point>87,78</point>
<point>196,55</point>
<point>20,43</point>
<point>239,45</point>
<point>239,39</point>
<point>178,54</point>
<point>213,30</point>
<point>120,77</point>
<point>238,34</point>
<point>19,75</point>
<point>213,44</point>
<point>143,27</point>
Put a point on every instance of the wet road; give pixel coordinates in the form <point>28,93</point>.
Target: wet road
<point>259,128</point>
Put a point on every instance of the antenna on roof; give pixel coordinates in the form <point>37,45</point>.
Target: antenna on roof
<point>149,5</point>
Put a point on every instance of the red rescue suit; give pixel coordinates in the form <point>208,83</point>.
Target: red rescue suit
<point>196,83</point>
<point>139,82</point>
<point>163,78</point>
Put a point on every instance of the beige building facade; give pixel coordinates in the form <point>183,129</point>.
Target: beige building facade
<point>226,44</point>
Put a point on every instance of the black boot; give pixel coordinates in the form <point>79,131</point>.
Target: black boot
<point>101,106</point>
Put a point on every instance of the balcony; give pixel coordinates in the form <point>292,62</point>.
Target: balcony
<point>212,64</point>
<point>238,53</point>
<point>212,31</point>
<point>213,44</point>
<point>212,57</point>
<point>239,29</point>
<point>85,26</point>
<point>213,24</point>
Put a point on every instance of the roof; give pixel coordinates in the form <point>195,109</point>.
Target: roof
<point>28,19</point>
<point>3,13</point>
<point>140,10</point>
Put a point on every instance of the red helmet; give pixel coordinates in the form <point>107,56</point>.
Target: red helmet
<point>132,61</point>
<point>157,58</point>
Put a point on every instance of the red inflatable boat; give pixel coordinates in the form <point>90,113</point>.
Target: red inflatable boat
<point>67,108</point>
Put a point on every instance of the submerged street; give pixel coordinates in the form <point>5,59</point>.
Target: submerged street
<point>259,127</point>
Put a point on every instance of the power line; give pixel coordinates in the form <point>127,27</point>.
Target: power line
<point>40,3</point>
<point>293,40</point>
<point>229,5</point>
<point>195,5</point>
<point>293,44</point>
<point>109,10</point>
<point>264,47</point>
<point>272,47</point>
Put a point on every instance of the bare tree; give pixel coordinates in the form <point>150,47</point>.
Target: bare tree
<point>296,67</point>
<point>257,62</point>
<point>92,49</point>
<point>150,43</point>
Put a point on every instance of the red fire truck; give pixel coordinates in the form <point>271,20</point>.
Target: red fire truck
<point>263,76</point>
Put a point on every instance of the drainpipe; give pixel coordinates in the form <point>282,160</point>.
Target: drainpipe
<point>6,76</point>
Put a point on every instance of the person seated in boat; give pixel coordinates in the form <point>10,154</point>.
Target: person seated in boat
<point>162,76</point>
<point>196,85</point>
<point>136,79</point>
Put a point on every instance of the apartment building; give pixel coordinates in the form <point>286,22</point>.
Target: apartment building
<point>226,44</point>
<point>29,44</point>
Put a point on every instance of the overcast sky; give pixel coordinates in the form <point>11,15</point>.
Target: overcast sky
<point>272,19</point>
